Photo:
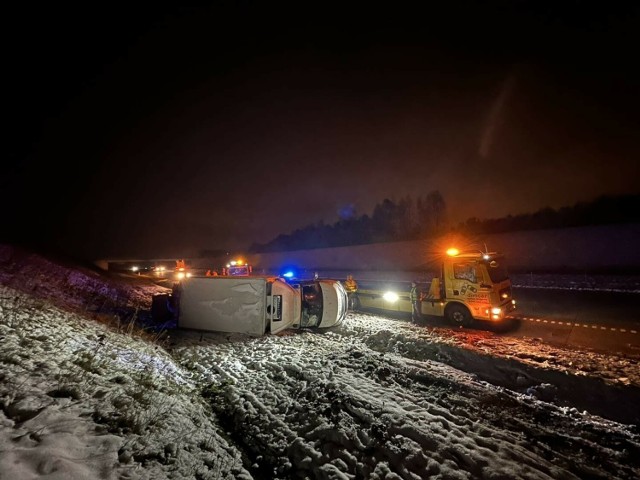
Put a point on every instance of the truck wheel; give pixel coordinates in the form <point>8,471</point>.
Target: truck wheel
<point>459,315</point>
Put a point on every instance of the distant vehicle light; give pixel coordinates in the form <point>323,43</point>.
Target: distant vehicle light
<point>452,252</point>
<point>134,269</point>
<point>233,262</point>
<point>391,297</point>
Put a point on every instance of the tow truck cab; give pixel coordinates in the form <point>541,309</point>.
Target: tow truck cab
<point>470,285</point>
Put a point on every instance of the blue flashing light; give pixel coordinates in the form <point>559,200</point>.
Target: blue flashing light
<point>288,274</point>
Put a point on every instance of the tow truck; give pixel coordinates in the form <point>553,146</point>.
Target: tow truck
<point>181,271</point>
<point>238,268</point>
<point>468,285</point>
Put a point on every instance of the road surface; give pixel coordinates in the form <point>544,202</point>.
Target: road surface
<point>606,321</point>
<point>603,321</point>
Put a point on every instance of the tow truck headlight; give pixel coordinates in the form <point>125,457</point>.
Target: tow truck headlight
<point>180,275</point>
<point>496,310</point>
<point>391,297</point>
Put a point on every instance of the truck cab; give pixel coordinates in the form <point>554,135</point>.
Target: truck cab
<point>324,303</point>
<point>470,285</point>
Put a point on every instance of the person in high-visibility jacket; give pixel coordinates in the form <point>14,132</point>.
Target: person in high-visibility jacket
<point>415,295</point>
<point>351,286</point>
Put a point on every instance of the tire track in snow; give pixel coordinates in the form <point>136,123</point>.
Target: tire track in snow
<point>308,405</point>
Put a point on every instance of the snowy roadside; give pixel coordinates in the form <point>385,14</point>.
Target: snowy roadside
<point>80,397</point>
<point>78,400</point>
<point>81,401</point>
<point>304,403</point>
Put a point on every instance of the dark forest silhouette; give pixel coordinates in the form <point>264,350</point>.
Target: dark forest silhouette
<point>424,217</point>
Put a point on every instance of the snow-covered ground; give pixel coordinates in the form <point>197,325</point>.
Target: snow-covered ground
<point>85,393</point>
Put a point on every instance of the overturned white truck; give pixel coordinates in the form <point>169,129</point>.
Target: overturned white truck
<point>256,305</point>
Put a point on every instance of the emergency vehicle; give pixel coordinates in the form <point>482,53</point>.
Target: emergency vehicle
<point>468,286</point>
<point>238,268</point>
<point>181,271</point>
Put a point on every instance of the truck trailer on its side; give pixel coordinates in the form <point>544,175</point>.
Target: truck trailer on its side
<point>256,305</point>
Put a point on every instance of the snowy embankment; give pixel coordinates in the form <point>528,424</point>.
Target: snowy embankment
<point>307,402</point>
<point>79,400</point>
<point>84,396</point>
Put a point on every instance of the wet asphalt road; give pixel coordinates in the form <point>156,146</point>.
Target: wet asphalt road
<point>611,308</point>
<point>603,321</point>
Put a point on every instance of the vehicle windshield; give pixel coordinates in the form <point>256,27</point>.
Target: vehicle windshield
<point>497,269</point>
<point>239,271</point>
<point>311,304</point>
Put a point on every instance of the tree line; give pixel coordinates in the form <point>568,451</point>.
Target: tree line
<point>426,216</point>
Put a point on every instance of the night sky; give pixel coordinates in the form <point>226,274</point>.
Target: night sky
<point>154,130</point>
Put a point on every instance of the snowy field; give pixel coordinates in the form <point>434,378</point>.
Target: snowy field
<point>87,394</point>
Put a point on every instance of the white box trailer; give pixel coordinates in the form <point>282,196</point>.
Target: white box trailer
<point>257,305</point>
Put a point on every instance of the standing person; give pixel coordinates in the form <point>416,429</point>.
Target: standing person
<point>351,287</point>
<point>416,303</point>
